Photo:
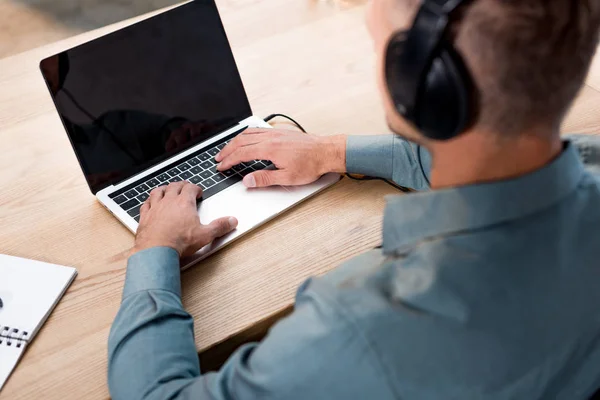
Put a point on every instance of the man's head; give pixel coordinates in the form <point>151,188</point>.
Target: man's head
<point>527,58</point>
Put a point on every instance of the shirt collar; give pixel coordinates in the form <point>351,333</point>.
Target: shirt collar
<point>419,216</point>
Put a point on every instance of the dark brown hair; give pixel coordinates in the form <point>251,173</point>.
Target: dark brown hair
<point>529,58</point>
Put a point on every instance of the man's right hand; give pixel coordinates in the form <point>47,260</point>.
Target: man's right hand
<point>300,158</point>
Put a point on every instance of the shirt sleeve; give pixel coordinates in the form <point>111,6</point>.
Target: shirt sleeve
<point>151,347</point>
<point>152,354</point>
<point>389,157</point>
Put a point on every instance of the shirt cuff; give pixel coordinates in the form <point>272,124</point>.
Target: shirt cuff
<point>156,268</point>
<point>370,155</point>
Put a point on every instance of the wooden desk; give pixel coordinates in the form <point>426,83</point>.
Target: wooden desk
<point>310,59</point>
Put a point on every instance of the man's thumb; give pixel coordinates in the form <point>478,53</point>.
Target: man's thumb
<point>221,227</point>
<point>265,178</point>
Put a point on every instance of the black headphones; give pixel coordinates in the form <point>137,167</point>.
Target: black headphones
<point>426,78</point>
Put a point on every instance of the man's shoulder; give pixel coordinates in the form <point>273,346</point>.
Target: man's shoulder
<point>454,301</point>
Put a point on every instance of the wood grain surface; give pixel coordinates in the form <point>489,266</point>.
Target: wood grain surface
<point>310,59</point>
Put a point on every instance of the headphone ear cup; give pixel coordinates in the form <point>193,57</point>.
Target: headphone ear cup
<point>445,106</point>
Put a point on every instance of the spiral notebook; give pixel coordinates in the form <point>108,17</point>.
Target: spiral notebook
<point>29,291</point>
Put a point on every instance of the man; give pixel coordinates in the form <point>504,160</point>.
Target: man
<point>486,287</point>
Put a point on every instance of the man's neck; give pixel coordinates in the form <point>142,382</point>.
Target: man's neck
<point>477,157</point>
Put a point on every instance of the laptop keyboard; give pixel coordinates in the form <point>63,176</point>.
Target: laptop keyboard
<point>200,170</point>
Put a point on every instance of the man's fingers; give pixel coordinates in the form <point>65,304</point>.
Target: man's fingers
<point>268,177</point>
<point>174,189</point>
<point>253,131</point>
<point>241,141</point>
<point>259,151</point>
<point>191,192</point>
<point>157,194</point>
<point>221,227</point>
<point>145,207</point>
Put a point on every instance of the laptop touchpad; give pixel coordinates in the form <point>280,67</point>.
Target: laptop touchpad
<point>250,206</point>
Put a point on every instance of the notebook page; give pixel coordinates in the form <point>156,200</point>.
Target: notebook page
<point>9,356</point>
<point>29,290</point>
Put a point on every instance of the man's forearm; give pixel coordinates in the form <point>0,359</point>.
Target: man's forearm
<point>151,350</point>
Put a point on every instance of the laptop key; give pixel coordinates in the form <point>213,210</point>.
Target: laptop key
<point>206,174</point>
<point>130,204</point>
<point>193,161</point>
<point>238,167</point>
<point>137,218</point>
<point>211,191</point>
<point>209,182</point>
<point>131,194</point>
<point>218,177</point>
<point>175,179</point>
<point>173,172</point>
<point>143,197</point>
<point>134,211</point>
<point>195,180</point>
<point>229,172</point>
<point>213,152</point>
<point>152,182</point>
<point>142,188</point>
<point>183,167</point>
<point>221,146</point>
<point>196,170</point>
<point>163,177</point>
<point>204,157</point>
<point>120,199</point>
<point>186,175</point>
<point>246,171</point>
<point>206,165</point>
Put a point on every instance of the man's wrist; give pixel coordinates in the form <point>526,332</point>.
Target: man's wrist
<point>334,154</point>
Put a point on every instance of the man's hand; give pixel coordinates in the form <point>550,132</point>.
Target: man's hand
<point>170,218</point>
<point>299,158</point>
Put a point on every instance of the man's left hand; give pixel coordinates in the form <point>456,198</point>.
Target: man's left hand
<point>169,218</point>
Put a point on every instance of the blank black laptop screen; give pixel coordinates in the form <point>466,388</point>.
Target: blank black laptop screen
<point>137,96</point>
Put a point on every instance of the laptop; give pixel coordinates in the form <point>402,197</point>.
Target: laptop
<point>152,104</point>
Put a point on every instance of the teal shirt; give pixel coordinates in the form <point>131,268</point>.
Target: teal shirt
<point>489,291</point>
